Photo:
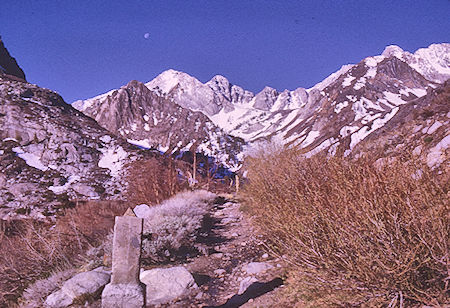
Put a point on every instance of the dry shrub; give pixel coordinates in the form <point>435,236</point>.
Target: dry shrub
<point>360,232</point>
<point>174,224</point>
<point>34,250</point>
<point>153,180</point>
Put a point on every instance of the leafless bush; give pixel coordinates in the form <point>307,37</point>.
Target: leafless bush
<point>378,233</point>
<point>35,250</point>
<point>153,180</point>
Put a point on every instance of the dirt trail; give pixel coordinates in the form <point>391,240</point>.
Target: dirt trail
<point>234,259</point>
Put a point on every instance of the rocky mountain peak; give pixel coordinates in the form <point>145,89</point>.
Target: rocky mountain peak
<point>265,99</point>
<point>218,80</point>
<point>150,120</point>
<point>221,85</point>
<point>432,62</point>
<point>392,50</point>
<point>8,65</point>
<point>168,80</point>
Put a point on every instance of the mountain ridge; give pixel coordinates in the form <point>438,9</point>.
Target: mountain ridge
<point>374,89</point>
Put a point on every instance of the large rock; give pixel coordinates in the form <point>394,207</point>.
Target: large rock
<point>167,284</point>
<point>256,267</point>
<point>82,284</point>
<point>245,283</point>
<point>141,210</point>
<point>123,296</point>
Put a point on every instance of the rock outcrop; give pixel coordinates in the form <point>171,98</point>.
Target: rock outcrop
<point>8,65</point>
<point>51,153</point>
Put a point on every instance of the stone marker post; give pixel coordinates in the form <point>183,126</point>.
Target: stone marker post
<point>125,290</point>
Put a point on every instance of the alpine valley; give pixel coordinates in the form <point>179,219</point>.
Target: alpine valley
<point>51,151</point>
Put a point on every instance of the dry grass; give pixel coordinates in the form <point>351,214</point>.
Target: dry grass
<point>356,233</point>
<point>34,250</point>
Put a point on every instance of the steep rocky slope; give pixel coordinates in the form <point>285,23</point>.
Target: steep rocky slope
<point>432,62</point>
<point>421,128</point>
<point>152,121</point>
<point>50,153</point>
<point>358,103</point>
<point>8,65</point>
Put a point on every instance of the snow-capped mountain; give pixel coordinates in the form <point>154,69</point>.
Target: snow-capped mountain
<point>51,152</point>
<point>433,62</point>
<point>149,120</point>
<point>335,115</point>
<point>237,111</point>
<point>358,103</point>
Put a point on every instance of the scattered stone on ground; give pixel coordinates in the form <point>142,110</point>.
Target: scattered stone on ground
<point>245,283</point>
<point>256,267</point>
<point>164,285</point>
<point>141,210</point>
<point>81,285</point>
<point>238,269</point>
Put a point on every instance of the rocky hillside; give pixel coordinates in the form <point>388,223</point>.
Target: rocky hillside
<point>50,153</point>
<point>147,119</point>
<point>358,103</point>
<point>421,128</point>
<point>334,115</point>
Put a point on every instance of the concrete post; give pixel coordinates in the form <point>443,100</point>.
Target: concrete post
<point>125,290</point>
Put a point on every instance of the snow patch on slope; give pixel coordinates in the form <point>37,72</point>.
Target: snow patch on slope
<point>364,131</point>
<point>113,158</point>
<point>30,159</point>
<point>333,77</point>
<point>348,81</point>
<point>437,153</point>
<point>144,144</point>
<point>312,135</point>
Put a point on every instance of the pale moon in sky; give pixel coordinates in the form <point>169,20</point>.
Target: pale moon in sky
<point>146,35</point>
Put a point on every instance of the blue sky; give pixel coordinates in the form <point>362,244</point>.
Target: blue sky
<point>84,48</point>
